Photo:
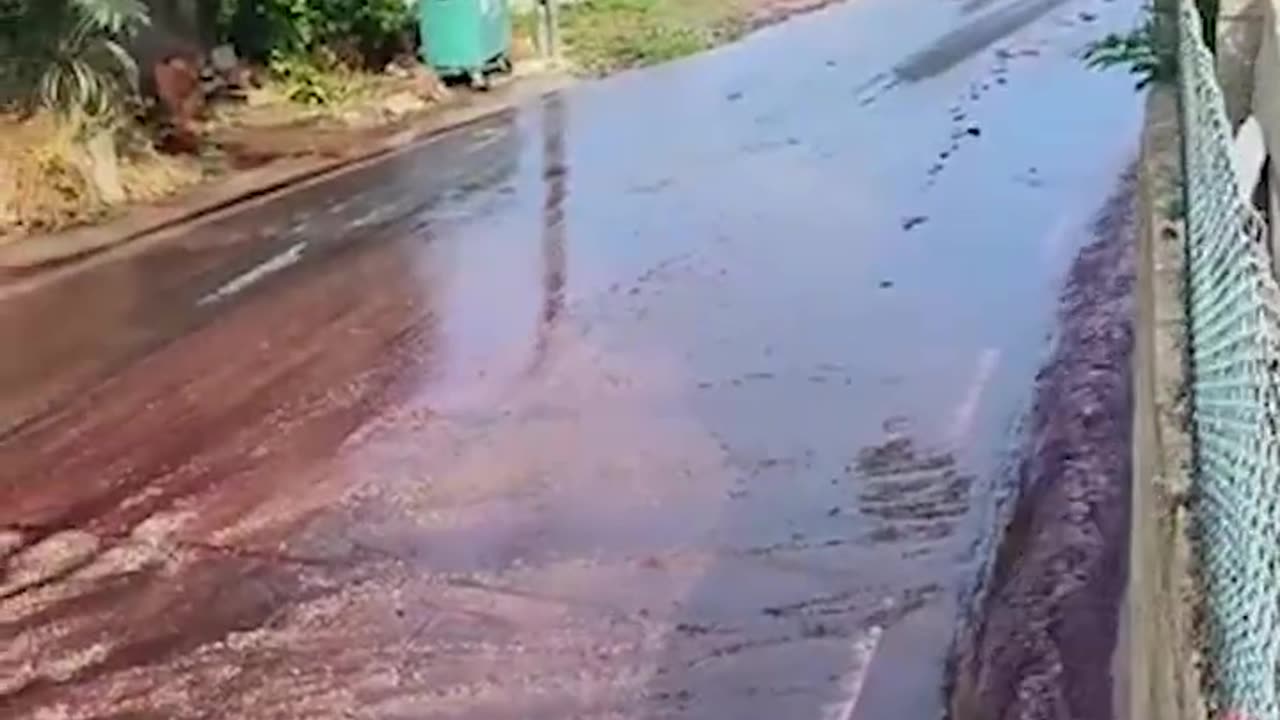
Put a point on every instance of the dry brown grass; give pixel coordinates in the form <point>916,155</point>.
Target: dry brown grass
<point>42,186</point>
<point>149,176</point>
<point>44,179</point>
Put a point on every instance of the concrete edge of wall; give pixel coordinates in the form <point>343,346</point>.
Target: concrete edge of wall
<point>1163,600</point>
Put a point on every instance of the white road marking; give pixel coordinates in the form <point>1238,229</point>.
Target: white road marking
<point>274,264</point>
<point>863,652</point>
<point>967,412</point>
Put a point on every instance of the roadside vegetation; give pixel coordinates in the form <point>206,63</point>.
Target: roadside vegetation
<point>90,121</point>
<point>66,101</point>
<point>319,52</point>
<point>1147,52</point>
<point>603,36</point>
<point>79,137</point>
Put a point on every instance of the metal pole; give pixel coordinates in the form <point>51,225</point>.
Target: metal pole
<point>553,27</point>
<point>548,29</point>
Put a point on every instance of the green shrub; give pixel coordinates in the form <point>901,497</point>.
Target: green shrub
<point>367,32</point>
<point>305,80</point>
<point>69,56</point>
<point>1142,52</point>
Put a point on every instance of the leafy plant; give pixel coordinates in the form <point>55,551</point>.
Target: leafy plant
<point>316,80</point>
<point>357,31</point>
<point>1143,51</point>
<point>68,56</point>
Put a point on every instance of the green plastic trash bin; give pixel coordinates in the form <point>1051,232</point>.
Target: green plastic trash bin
<point>468,38</point>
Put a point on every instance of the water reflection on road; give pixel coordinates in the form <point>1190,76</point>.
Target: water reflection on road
<point>682,394</point>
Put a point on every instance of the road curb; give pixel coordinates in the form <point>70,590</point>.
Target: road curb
<point>1162,598</point>
<point>24,258</point>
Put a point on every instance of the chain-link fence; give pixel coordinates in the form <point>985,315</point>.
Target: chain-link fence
<point>1234,318</point>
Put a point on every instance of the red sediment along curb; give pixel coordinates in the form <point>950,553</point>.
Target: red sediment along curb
<point>1047,619</point>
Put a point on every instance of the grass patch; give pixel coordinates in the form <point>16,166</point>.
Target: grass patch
<point>603,36</point>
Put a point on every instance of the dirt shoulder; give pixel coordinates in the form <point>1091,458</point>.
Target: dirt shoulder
<point>1049,616</point>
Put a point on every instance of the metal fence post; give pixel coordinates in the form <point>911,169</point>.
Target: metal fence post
<point>553,27</point>
<point>548,28</point>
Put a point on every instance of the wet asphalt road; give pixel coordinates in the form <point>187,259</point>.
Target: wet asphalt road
<point>684,394</point>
